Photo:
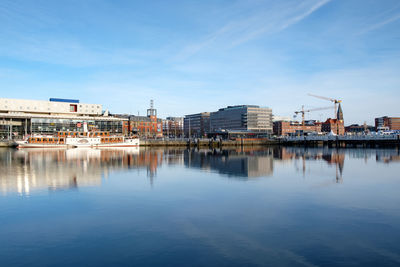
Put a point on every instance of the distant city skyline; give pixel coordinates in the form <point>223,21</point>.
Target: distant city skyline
<point>192,57</point>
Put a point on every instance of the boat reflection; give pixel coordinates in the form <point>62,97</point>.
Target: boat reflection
<point>25,170</point>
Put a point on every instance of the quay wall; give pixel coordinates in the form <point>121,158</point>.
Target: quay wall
<point>207,143</point>
<point>188,143</point>
<point>354,143</point>
<point>261,142</point>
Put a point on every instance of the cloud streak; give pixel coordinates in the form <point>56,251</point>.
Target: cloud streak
<point>259,22</point>
<point>382,23</point>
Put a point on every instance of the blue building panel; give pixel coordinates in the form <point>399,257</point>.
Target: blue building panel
<point>64,100</point>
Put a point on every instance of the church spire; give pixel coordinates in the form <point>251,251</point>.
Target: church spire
<point>340,113</point>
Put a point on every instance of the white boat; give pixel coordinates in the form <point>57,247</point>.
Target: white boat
<point>42,141</point>
<point>94,139</point>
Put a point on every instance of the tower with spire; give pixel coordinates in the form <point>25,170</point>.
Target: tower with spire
<point>339,114</point>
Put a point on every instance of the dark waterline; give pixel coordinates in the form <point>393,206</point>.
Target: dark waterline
<point>253,207</point>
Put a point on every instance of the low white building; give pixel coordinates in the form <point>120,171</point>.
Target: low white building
<point>54,106</point>
<point>19,117</point>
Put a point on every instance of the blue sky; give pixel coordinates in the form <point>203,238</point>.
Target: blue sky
<point>193,56</point>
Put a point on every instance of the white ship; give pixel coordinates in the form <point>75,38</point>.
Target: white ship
<point>94,139</point>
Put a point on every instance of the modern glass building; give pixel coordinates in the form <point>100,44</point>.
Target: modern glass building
<point>250,118</point>
<point>196,125</point>
<point>22,117</point>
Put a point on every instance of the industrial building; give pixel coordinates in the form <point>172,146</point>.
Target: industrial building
<point>393,123</point>
<point>246,118</point>
<point>19,117</point>
<point>196,125</point>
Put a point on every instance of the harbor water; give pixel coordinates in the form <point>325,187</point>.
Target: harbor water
<point>267,206</point>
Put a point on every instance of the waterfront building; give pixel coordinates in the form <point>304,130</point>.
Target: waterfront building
<point>197,125</point>
<point>247,118</point>
<point>173,126</point>
<point>393,123</point>
<point>355,128</point>
<point>144,126</point>
<point>284,128</point>
<point>333,125</point>
<point>19,117</point>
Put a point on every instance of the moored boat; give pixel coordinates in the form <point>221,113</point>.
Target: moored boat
<point>68,139</point>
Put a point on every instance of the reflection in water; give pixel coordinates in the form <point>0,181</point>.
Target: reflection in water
<point>307,207</point>
<point>234,163</point>
<point>330,156</point>
<point>26,170</point>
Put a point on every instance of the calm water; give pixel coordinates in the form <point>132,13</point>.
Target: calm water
<point>257,207</point>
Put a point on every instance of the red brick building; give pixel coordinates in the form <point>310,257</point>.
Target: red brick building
<point>146,126</point>
<point>284,128</point>
<point>142,126</point>
<point>333,125</point>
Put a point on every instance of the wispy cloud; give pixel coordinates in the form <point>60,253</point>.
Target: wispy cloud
<point>270,19</point>
<point>389,15</point>
<point>381,24</point>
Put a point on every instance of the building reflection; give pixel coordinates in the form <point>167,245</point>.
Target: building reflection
<point>241,163</point>
<point>330,156</point>
<point>25,170</point>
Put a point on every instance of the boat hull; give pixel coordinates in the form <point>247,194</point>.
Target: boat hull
<point>79,142</point>
<point>111,145</point>
<point>42,146</point>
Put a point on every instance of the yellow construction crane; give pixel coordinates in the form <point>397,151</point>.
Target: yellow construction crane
<point>335,102</point>
<point>302,112</point>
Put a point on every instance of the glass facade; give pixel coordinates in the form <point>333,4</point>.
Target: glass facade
<point>45,125</point>
<point>12,129</point>
<point>17,128</point>
<point>242,118</point>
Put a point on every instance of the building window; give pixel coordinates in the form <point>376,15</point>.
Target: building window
<point>73,108</point>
